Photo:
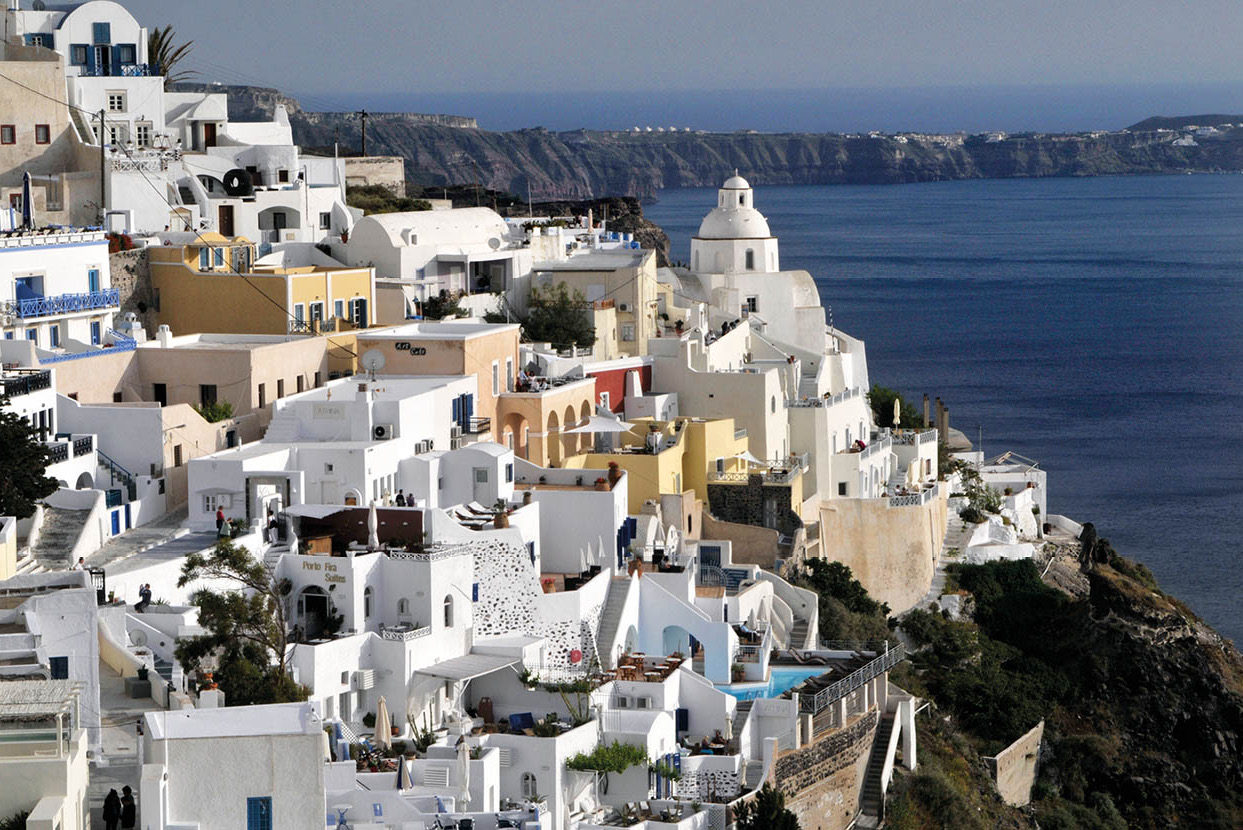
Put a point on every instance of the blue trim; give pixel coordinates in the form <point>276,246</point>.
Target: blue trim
<point>66,303</point>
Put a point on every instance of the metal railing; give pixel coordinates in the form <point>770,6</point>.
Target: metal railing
<point>912,438</point>
<point>118,473</point>
<point>58,452</point>
<point>65,303</point>
<point>129,70</point>
<point>875,447</point>
<point>915,499</point>
<point>840,397</point>
<point>120,343</point>
<point>822,699</point>
<point>476,424</point>
<point>82,446</point>
<point>24,382</point>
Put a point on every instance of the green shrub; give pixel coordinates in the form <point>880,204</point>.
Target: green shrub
<point>215,412</point>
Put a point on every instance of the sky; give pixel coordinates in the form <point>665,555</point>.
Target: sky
<point>915,57</point>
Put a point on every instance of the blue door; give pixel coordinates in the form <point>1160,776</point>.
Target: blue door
<point>116,522</point>
<point>128,521</point>
<point>259,813</point>
<point>92,280</point>
<point>95,334</point>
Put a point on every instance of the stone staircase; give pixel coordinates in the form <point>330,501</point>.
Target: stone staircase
<point>798,634</point>
<point>164,668</point>
<point>952,546</point>
<point>872,802</point>
<point>283,429</point>
<point>740,716</point>
<point>610,617</point>
<point>59,533</point>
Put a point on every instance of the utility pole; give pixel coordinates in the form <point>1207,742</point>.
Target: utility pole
<point>103,179</point>
<point>363,115</point>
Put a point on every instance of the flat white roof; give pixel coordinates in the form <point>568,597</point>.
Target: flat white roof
<point>437,330</point>
<point>607,260</point>
<point>383,388</point>
<point>234,722</point>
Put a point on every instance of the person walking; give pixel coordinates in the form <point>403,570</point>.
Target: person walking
<point>112,810</point>
<point>273,530</point>
<point>219,521</point>
<point>129,810</point>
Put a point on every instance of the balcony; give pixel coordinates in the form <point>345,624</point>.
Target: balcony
<point>57,453</point>
<point>65,303</point>
<point>778,471</point>
<point>83,445</point>
<point>24,382</point>
<point>133,70</point>
<point>477,424</point>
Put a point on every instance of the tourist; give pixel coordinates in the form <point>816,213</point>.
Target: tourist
<point>219,521</point>
<point>112,810</point>
<point>80,565</point>
<point>401,498</point>
<point>272,527</point>
<point>129,811</point>
<point>144,597</point>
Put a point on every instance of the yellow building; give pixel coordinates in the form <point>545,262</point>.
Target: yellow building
<point>672,457</point>
<point>211,283</point>
<point>627,278</point>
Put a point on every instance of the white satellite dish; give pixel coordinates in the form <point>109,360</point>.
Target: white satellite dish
<point>138,638</point>
<point>373,361</point>
<point>494,243</point>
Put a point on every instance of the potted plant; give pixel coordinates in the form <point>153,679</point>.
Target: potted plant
<point>500,514</point>
<point>614,473</point>
<point>142,672</point>
<point>602,484</point>
<point>526,496</point>
<point>738,672</point>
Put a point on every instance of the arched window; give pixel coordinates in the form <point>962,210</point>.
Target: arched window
<point>773,405</point>
<point>448,611</point>
<point>529,789</point>
<point>750,259</point>
<point>367,603</point>
<point>742,199</point>
<point>403,606</point>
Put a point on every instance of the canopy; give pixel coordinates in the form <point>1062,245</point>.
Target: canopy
<point>746,455</point>
<point>468,666</point>
<point>597,423</point>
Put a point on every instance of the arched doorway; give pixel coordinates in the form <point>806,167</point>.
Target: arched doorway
<point>552,439</point>
<point>587,438</point>
<point>675,638</point>
<point>85,482</point>
<point>570,439</point>
<point>312,611</point>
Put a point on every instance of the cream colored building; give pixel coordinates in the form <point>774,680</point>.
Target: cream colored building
<point>43,760</point>
<point>624,276</point>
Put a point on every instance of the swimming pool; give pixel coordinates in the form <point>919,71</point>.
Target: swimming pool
<point>780,679</point>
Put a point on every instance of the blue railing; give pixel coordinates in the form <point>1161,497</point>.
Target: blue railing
<point>67,303</point>
<point>115,472</point>
<point>132,70</point>
<point>120,343</point>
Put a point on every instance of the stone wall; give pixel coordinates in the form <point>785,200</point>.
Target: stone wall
<point>892,551</point>
<point>386,171</point>
<point>1014,768</point>
<point>744,503</point>
<point>823,780</point>
<point>751,545</point>
<point>130,273</point>
<point>708,785</point>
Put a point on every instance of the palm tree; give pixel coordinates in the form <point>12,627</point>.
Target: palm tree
<point>163,54</point>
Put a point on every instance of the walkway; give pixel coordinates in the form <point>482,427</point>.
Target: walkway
<point>118,762</point>
<point>957,532</point>
<point>145,537</point>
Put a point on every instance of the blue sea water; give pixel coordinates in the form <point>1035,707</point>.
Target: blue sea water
<point>1095,325</point>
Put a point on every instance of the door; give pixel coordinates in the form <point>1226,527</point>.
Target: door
<point>209,134</point>
<point>116,522</point>
<point>259,813</point>
<point>159,391</point>
<point>225,223</point>
<point>96,333</point>
<point>103,60</point>
<point>128,520</point>
<point>481,485</point>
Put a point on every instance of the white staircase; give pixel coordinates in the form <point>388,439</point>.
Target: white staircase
<point>283,429</point>
<point>59,533</point>
<point>610,619</point>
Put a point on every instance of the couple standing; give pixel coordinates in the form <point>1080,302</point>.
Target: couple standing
<point>120,809</point>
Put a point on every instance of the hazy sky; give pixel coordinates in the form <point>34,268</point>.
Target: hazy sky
<point>472,46</point>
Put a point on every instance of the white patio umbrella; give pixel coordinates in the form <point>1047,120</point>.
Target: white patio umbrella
<point>383,732</point>
<point>597,423</point>
<point>325,745</point>
<point>373,528</point>
<point>897,412</point>
<point>463,776</point>
<point>912,473</point>
<point>728,731</point>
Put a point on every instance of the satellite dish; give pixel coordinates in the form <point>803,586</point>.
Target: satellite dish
<point>38,5</point>
<point>494,243</point>
<point>373,361</point>
<point>138,638</point>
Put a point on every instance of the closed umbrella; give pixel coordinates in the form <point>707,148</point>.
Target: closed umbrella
<point>383,733</point>
<point>728,731</point>
<point>326,745</point>
<point>404,781</point>
<point>28,203</point>
<point>463,776</point>
<point>373,528</point>
<point>897,412</point>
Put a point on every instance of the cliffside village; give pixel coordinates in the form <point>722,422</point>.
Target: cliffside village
<point>495,560</point>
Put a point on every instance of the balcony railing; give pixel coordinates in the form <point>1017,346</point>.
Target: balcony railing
<point>825,697</point>
<point>476,424</point>
<point>83,445</point>
<point>840,397</point>
<point>58,452</point>
<point>312,326</point>
<point>914,438</point>
<point>24,382</point>
<point>403,632</point>
<point>915,499</point>
<point>66,303</point>
<point>132,70</point>
<point>120,343</point>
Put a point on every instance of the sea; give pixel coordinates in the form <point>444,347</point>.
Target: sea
<point>1094,325</point>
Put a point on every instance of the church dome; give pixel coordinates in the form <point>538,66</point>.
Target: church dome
<point>736,182</point>
<point>734,223</point>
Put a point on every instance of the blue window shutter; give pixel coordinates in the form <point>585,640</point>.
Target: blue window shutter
<point>116,60</point>
<point>259,813</point>
<point>101,33</point>
<point>474,592</point>
<point>92,278</point>
<point>457,410</point>
<point>95,334</point>
<point>470,405</point>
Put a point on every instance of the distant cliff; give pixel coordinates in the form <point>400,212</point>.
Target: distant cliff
<point>584,164</point>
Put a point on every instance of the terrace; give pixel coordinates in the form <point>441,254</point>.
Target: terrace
<point>17,382</point>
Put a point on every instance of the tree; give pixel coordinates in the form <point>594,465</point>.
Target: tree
<point>881,399</point>
<point>376,198</point>
<point>245,627</point>
<point>165,55</point>
<point>560,317</point>
<point>23,460</point>
<point>847,611</point>
<point>767,811</point>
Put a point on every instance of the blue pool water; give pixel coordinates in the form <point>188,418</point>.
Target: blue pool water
<point>779,680</point>
<point>1095,325</point>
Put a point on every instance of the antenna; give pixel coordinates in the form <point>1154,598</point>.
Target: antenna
<point>373,361</point>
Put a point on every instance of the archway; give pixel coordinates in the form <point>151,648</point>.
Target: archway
<point>569,439</point>
<point>312,611</point>
<point>632,639</point>
<point>587,438</point>
<point>85,482</point>
<point>675,638</point>
<point>552,439</point>
<point>517,426</point>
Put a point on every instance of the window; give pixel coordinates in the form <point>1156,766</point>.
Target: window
<point>720,465</point>
<point>318,380</point>
<point>210,504</point>
<point>43,39</point>
<point>403,606</point>
<point>118,134</point>
<point>773,404</point>
<point>367,603</point>
<point>204,259</point>
<point>77,54</point>
<point>8,134</point>
<point>116,102</point>
<point>750,260</point>
<point>101,33</point>
<point>529,788</point>
<point>338,310</point>
<point>627,332</point>
<point>280,388</point>
<point>509,472</point>
<point>509,374</point>
<point>218,257</point>
<point>142,132</point>
<point>841,488</point>
<point>282,176</point>
<point>207,394</point>
<point>96,333</point>
<point>117,397</point>
<point>159,393</point>
<point>448,611</point>
<point>259,813</point>
<point>299,313</point>
<point>92,279</point>
<point>43,134</point>
<point>263,395</point>
<point>301,383</point>
<point>59,667</point>
<point>325,221</point>
<point>496,378</point>
<point>127,54</point>
<point>753,305</point>
<point>177,456</point>
<point>54,333</point>
<point>317,312</point>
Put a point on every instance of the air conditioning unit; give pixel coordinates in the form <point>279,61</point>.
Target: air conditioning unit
<point>420,447</point>
<point>455,431</point>
<point>382,432</point>
<point>622,307</point>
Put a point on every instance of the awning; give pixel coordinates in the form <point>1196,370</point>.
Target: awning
<point>468,667</point>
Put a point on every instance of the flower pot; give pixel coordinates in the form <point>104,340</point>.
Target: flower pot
<point>500,520</point>
<point>635,567</point>
<point>602,486</point>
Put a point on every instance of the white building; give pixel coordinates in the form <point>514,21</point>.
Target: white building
<point>43,761</point>
<point>734,236</point>
<point>55,290</point>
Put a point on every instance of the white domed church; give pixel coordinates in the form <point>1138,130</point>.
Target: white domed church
<point>734,237</point>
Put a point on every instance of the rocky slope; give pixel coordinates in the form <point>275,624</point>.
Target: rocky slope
<point>583,164</point>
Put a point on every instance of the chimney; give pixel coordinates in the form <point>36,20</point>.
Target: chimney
<point>925,410</point>
<point>164,334</point>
